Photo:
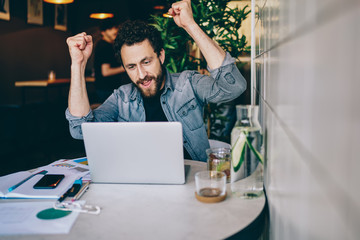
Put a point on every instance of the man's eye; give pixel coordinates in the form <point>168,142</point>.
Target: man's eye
<point>146,62</point>
<point>131,67</point>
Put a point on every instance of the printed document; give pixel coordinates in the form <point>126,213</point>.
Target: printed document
<point>21,218</point>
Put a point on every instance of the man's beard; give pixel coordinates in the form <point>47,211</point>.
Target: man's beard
<point>157,81</point>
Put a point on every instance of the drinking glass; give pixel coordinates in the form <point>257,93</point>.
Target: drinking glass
<point>210,186</point>
<point>219,159</point>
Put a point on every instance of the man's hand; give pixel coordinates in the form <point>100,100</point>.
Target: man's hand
<point>80,48</point>
<point>182,13</point>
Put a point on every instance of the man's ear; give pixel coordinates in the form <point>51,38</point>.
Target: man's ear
<point>162,56</point>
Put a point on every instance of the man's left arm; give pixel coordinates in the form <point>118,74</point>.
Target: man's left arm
<point>183,17</point>
<point>226,82</point>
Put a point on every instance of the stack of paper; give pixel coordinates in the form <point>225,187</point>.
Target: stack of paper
<point>72,169</point>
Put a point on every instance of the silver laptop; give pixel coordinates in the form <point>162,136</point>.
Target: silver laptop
<point>135,152</point>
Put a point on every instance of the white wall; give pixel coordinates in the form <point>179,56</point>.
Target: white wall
<point>307,74</point>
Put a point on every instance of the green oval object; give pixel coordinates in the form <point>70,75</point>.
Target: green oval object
<point>52,213</point>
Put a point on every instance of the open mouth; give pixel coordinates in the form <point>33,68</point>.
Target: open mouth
<point>146,83</point>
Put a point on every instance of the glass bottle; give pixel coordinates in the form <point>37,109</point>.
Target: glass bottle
<point>247,161</point>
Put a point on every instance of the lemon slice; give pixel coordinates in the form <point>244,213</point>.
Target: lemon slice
<point>238,151</point>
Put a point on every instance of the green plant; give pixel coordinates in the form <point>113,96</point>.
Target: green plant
<point>176,44</point>
<point>221,23</point>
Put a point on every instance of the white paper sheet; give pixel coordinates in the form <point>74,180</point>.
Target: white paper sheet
<point>20,218</point>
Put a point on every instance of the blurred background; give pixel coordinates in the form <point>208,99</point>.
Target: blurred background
<point>33,128</point>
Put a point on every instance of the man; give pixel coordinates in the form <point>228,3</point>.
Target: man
<point>155,94</point>
<point>109,74</point>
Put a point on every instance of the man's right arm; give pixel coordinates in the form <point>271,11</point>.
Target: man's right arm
<point>80,48</point>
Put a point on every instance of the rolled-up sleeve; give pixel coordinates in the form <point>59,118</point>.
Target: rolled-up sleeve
<point>224,83</point>
<point>75,123</point>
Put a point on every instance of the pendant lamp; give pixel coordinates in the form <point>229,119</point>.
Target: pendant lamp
<point>101,15</point>
<point>102,10</point>
<point>59,1</point>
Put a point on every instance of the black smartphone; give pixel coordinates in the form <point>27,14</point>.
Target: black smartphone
<point>49,181</point>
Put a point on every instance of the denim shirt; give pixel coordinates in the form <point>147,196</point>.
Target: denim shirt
<point>183,100</point>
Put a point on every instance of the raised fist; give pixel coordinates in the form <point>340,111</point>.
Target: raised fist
<point>80,47</point>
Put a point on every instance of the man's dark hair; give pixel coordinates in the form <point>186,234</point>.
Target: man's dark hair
<point>107,23</point>
<point>137,31</point>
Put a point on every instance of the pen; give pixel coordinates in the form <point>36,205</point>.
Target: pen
<point>70,192</point>
<point>63,196</point>
<point>82,191</point>
<point>43,172</point>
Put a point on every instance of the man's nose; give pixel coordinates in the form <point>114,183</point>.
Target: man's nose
<point>141,72</point>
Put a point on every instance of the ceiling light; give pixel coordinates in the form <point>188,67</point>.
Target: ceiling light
<point>159,7</point>
<point>101,15</point>
<point>59,1</point>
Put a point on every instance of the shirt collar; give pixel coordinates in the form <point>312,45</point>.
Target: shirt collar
<point>169,84</point>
